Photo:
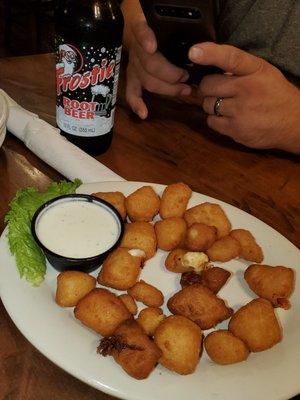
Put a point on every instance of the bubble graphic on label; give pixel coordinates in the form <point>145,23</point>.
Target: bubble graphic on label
<point>103,49</point>
<point>92,60</point>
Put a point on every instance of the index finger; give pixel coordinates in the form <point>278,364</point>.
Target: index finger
<point>145,36</point>
<point>226,57</point>
<point>157,65</point>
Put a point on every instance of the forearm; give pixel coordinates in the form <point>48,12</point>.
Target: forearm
<point>132,11</point>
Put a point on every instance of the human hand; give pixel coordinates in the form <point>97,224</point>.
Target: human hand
<point>260,107</point>
<point>149,69</point>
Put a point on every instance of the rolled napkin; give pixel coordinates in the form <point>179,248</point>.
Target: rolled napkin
<point>49,145</point>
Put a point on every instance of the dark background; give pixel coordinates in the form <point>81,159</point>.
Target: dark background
<point>26,27</point>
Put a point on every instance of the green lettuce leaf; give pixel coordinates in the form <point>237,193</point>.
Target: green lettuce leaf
<point>30,259</point>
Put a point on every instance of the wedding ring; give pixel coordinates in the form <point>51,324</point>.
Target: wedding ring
<point>217,107</point>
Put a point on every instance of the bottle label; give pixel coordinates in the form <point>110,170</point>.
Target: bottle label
<point>86,85</point>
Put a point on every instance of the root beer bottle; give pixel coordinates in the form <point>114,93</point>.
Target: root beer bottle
<point>88,54</point>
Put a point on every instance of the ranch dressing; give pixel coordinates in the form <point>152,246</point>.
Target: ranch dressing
<point>77,229</point>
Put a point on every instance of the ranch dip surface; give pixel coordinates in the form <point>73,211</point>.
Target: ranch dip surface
<point>77,229</point>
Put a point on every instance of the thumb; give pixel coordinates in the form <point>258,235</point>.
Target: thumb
<point>228,58</point>
<point>145,36</point>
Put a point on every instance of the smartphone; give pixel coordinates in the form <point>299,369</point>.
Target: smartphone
<point>178,25</point>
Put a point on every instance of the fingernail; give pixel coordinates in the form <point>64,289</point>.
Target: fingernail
<point>186,91</point>
<point>195,53</point>
<point>185,77</point>
<point>142,114</point>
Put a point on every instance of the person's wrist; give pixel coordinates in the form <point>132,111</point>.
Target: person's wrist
<point>289,138</point>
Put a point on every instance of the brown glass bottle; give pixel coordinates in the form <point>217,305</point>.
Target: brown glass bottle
<point>88,54</point>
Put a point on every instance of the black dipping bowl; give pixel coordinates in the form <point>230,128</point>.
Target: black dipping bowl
<point>87,264</point>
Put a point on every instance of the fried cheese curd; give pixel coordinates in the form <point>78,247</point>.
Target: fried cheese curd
<point>129,303</point>
<point>209,214</point>
<point>225,249</point>
<point>190,278</point>
<point>143,204</point>
<point>116,199</point>
<point>256,325</point>
<point>146,294</point>
<point>224,348</point>
<point>275,284</point>
<point>200,237</point>
<point>250,250</point>
<point>181,261</point>
<point>149,318</point>
<point>140,235</point>
<point>174,200</point>
<point>170,233</point>
<point>121,268</point>
<point>132,349</point>
<point>73,286</point>
<point>180,341</point>
<point>102,311</point>
<point>214,278</point>
<point>199,304</point>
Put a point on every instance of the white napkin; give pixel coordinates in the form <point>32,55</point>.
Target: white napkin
<point>46,142</point>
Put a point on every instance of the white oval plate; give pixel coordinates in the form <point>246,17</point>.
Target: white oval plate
<point>3,118</point>
<point>272,375</point>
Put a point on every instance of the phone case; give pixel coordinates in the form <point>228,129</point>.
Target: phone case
<point>178,25</point>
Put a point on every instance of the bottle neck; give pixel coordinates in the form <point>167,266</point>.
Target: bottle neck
<point>89,20</point>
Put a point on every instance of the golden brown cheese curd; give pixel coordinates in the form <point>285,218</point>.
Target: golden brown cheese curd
<point>200,305</point>
<point>170,233</point>
<point>102,311</point>
<point>149,318</point>
<point>180,341</point>
<point>256,325</point>
<point>129,303</point>
<point>214,278</point>
<point>73,286</point>
<point>200,237</point>
<point>174,263</point>
<point>116,199</point>
<point>174,200</point>
<point>225,249</point>
<point>132,349</point>
<point>140,235</point>
<point>209,214</point>
<point>181,261</point>
<point>250,250</point>
<point>121,269</point>
<point>143,204</point>
<point>275,284</point>
<point>224,348</point>
<point>146,294</point>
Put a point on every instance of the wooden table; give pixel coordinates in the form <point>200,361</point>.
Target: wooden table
<point>172,145</point>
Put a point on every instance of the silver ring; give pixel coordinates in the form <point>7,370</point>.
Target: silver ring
<point>217,107</point>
